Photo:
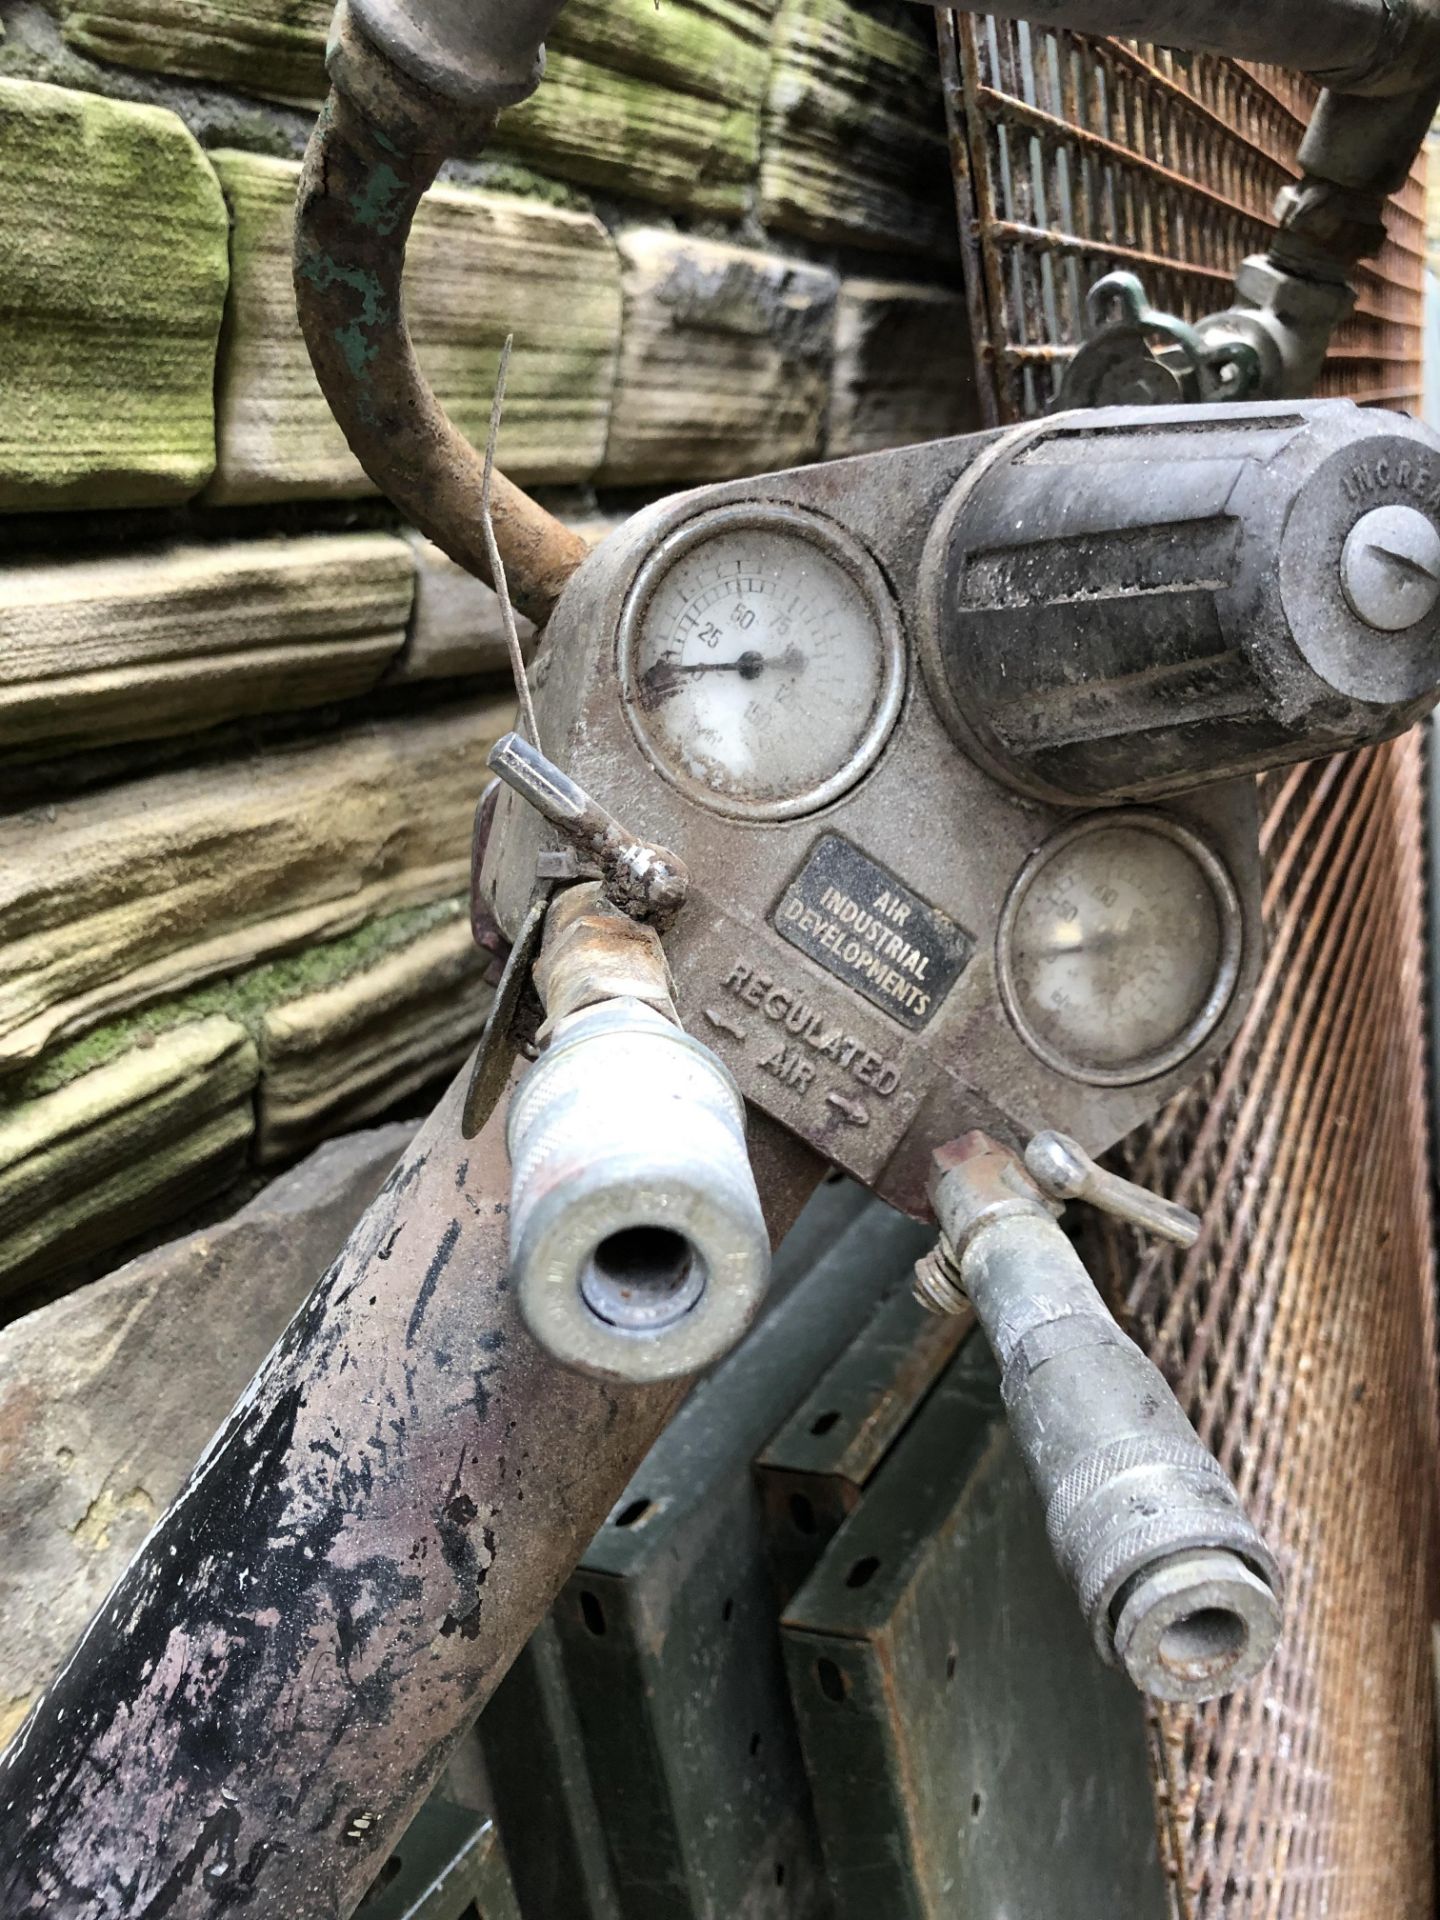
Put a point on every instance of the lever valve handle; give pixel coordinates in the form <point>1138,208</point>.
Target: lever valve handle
<point>647,882</point>
<point>1061,1168</point>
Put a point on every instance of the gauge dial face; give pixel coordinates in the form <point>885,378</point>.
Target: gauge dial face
<point>1119,948</point>
<point>762,661</point>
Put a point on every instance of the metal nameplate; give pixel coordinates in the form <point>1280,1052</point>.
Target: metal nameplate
<point>870,930</point>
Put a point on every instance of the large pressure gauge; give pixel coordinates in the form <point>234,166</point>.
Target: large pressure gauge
<point>761,660</point>
<point>1119,947</point>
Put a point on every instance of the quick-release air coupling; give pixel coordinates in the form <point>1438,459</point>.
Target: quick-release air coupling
<point>637,1244</point>
<point>1175,1583</point>
<point>638,1248</point>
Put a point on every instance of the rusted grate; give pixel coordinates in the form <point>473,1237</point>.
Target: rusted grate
<point>1300,1337</point>
<point>1075,157</point>
<point>1300,1334</point>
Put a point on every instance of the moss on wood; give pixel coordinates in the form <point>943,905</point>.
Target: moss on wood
<point>246,998</point>
<point>275,48</point>
<point>480,265</point>
<point>658,102</point>
<point>338,1055</point>
<point>123,1148</point>
<point>139,892</point>
<point>854,146</point>
<point>113,272</point>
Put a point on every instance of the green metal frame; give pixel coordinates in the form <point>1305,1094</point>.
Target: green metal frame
<point>968,1753</point>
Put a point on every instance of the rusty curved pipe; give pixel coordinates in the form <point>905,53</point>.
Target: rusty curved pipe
<point>359,189</point>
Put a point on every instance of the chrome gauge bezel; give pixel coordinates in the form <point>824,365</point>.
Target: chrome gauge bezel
<point>1227,972</point>
<point>838,546</point>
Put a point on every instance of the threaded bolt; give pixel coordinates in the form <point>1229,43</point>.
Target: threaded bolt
<point>937,1282</point>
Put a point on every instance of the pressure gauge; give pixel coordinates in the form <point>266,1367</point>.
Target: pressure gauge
<point>1119,947</point>
<point>761,660</point>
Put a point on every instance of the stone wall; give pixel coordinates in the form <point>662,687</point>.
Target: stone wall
<point>243,710</point>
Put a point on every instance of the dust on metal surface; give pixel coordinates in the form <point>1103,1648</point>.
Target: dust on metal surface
<point>1074,157</point>
<point>1299,1335</point>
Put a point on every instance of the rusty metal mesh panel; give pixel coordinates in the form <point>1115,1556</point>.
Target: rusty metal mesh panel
<point>1300,1332</point>
<point>1300,1337</point>
<point>1075,157</point>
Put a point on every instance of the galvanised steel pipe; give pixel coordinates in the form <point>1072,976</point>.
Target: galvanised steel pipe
<point>1173,1580</point>
<point>1355,46</point>
<point>275,1684</point>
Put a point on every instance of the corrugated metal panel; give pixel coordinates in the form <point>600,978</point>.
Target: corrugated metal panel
<point>1075,157</point>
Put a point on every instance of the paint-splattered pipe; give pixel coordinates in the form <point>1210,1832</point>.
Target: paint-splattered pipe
<point>275,1684</point>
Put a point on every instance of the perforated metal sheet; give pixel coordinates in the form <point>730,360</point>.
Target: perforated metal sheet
<point>1300,1337</point>
<point>1075,157</point>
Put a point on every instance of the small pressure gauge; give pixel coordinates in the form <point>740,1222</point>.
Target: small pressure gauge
<point>761,660</point>
<point>1119,947</point>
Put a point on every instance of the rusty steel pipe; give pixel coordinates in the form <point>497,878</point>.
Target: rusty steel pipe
<point>274,1685</point>
<point>359,189</point>
<point>1358,46</point>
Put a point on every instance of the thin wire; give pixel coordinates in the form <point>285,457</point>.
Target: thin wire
<point>497,565</point>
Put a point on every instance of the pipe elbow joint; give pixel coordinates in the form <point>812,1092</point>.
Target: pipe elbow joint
<point>436,75</point>
<point>393,117</point>
<point>1396,51</point>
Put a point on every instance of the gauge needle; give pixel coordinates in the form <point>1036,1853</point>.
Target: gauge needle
<point>665,676</point>
<point>749,666</point>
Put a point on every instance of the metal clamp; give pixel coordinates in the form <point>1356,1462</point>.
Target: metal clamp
<point>1118,367</point>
